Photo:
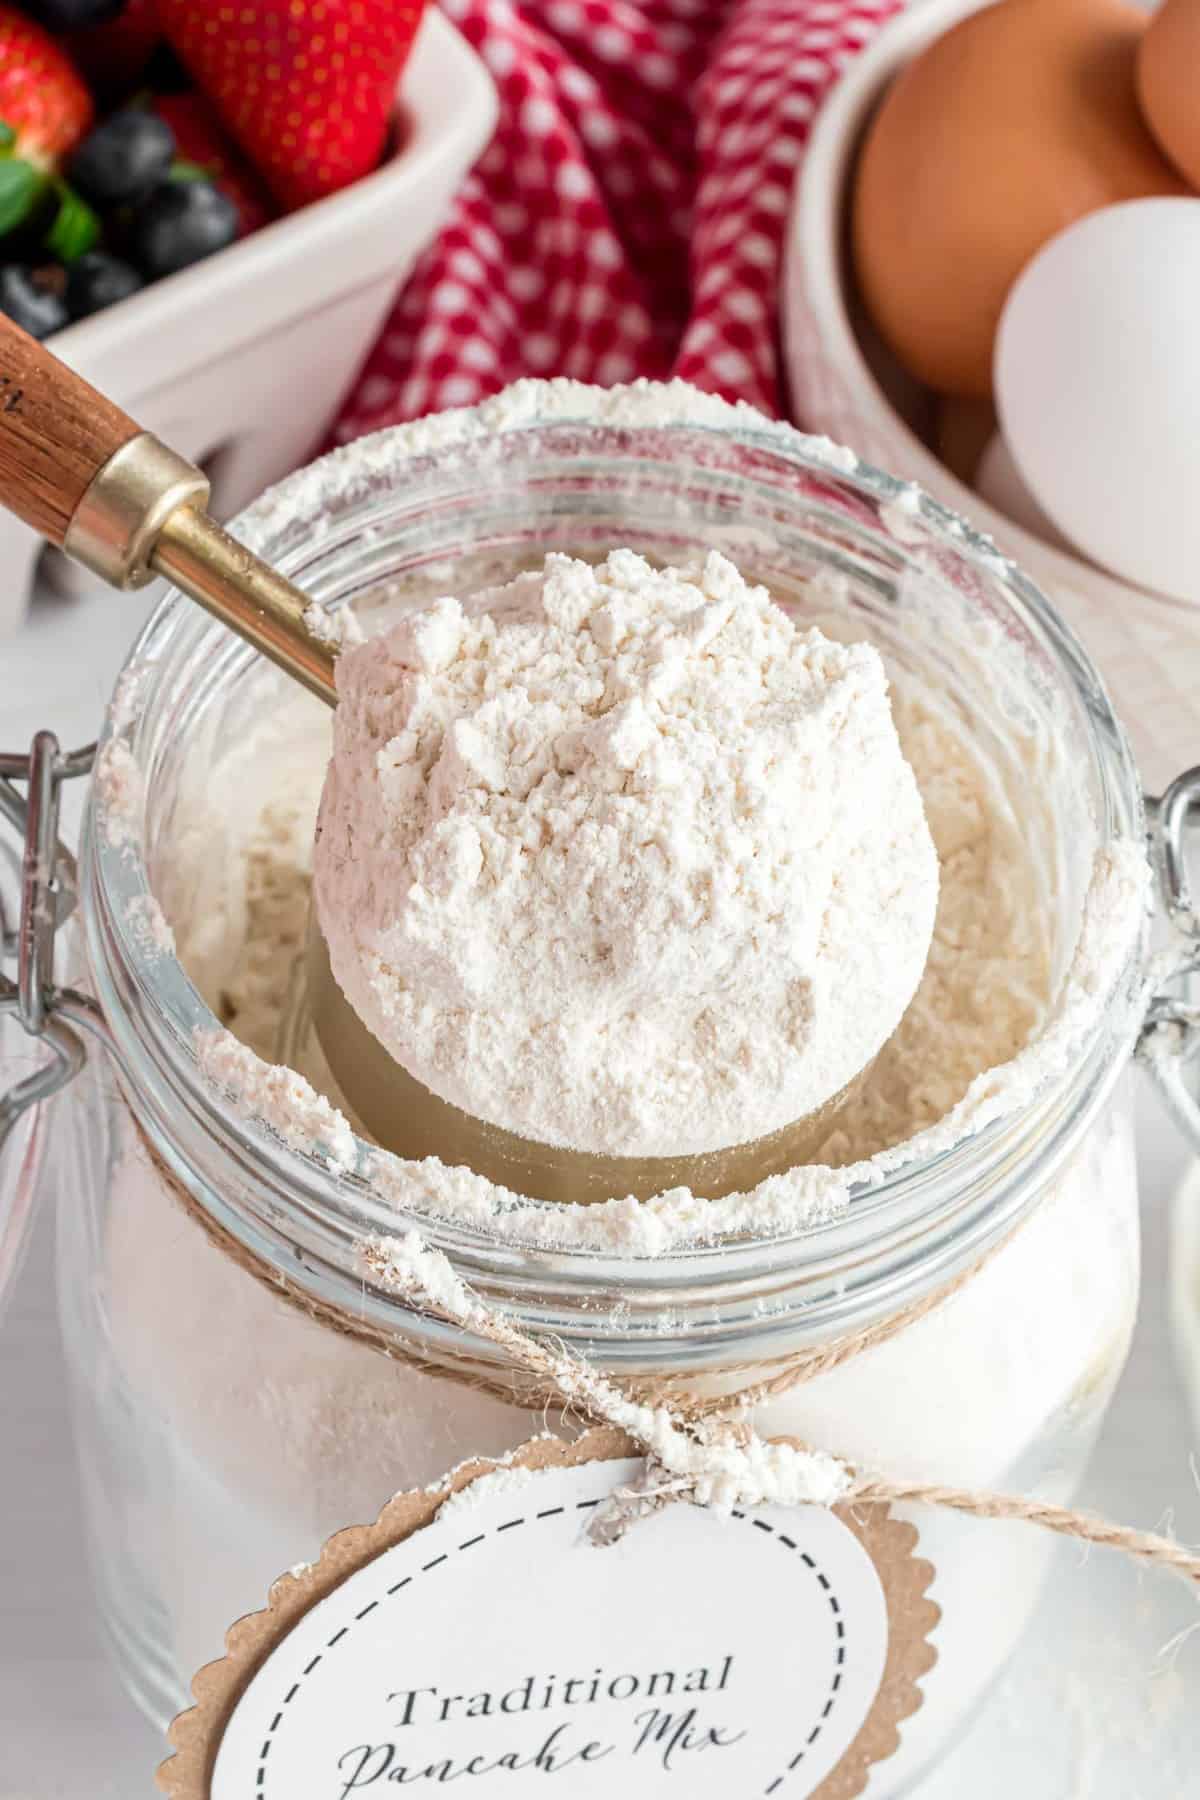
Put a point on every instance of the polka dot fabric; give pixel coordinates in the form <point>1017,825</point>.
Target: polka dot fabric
<point>628,217</point>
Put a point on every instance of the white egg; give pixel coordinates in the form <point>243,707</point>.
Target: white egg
<point>999,481</point>
<point>1097,377</point>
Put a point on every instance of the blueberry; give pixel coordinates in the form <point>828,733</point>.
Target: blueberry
<point>180,223</point>
<point>30,300</point>
<point>69,15</point>
<point>124,158</point>
<point>98,280</point>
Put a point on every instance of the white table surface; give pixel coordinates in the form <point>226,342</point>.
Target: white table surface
<point>1099,1705</point>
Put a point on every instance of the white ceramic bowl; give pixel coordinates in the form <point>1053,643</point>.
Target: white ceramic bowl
<point>1147,645</point>
<point>240,361</point>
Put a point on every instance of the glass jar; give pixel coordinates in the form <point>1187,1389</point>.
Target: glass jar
<point>224,1431</point>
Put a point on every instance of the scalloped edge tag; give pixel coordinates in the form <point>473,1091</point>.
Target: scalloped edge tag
<point>309,1668</point>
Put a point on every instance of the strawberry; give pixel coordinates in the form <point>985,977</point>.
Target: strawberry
<point>44,111</point>
<point>44,107</point>
<point>201,141</point>
<point>113,54</point>
<point>306,87</point>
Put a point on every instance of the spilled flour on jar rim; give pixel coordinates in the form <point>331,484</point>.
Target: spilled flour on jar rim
<point>804,1197</point>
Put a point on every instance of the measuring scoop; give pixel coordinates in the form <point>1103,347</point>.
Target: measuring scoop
<point>118,500</point>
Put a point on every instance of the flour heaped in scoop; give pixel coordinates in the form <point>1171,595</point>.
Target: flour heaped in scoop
<point>622,858</point>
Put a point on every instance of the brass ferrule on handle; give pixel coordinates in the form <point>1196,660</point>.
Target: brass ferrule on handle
<point>115,527</point>
<point>143,515</point>
<point>85,476</point>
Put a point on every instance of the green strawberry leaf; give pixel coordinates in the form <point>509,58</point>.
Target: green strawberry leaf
<point>183,170</point>
<point>75,230</point>
<point>8,136</point>
<point>20,186</point>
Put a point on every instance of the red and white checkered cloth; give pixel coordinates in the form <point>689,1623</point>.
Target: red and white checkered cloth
<point>628,217</point>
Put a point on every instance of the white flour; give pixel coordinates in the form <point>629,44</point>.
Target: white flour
<point>283,1099</point>
<point>721,1469</point>
<point>150,921</point>
<point>359,467</point>
<point>982,1035</point>
<point>121,792</point>
<point>598,854</point>
<point>506,1479</point>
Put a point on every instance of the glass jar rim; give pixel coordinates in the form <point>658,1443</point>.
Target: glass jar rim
<point>903,1226</point>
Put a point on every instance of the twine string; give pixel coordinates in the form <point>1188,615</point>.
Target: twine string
<point>696,1425</point>
<point>701,1460</point>
<point>540,1396</point>
<point>1088,1528</point>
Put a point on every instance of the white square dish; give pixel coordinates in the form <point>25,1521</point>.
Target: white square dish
<point>239,362</point>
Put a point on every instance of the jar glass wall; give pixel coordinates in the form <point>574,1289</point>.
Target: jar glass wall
<point>224,1434</point>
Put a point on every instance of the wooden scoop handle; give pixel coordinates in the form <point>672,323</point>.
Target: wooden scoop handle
<point>56,433</point>
<point>82,472</point>
<point>128,507</point>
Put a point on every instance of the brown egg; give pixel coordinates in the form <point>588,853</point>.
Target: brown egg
<point>1168,69</point>
<point>963,432</point>
<point>1021,119</point>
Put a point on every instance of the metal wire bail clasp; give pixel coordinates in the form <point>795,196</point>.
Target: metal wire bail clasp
<point>1170,1035</point>
<point>48,894</point>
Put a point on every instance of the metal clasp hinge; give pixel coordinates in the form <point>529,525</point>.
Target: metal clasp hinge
<point>1170,1034</point>
<point>47,879</point>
